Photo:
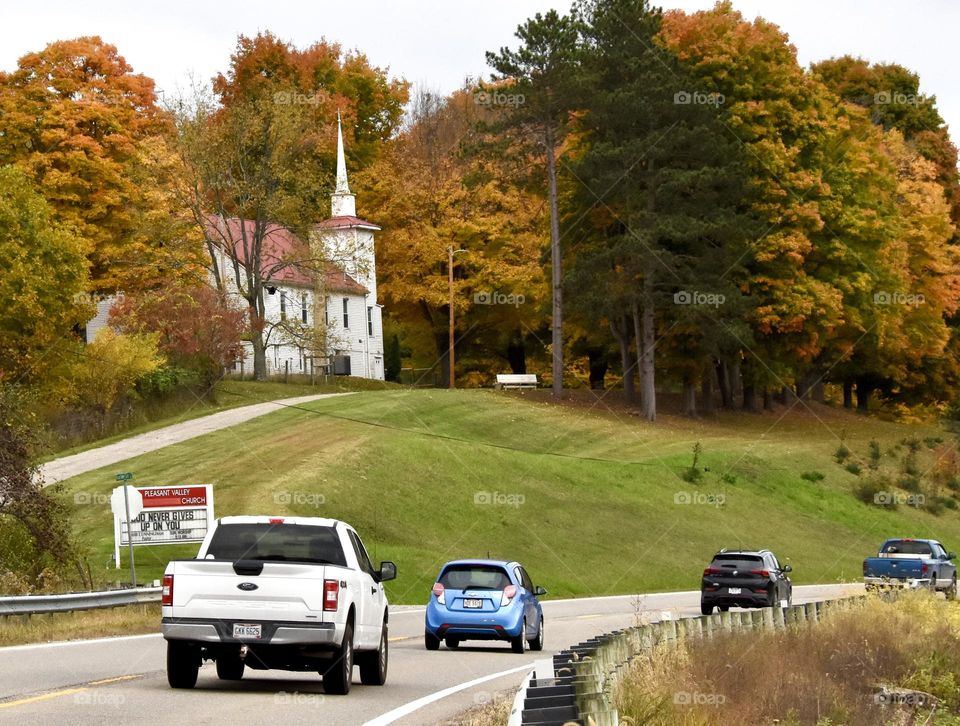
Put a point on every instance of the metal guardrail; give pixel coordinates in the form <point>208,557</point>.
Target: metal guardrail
<point>40,604</point>
<point>581,689</point>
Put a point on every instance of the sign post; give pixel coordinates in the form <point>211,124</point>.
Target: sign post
<point>125,477</point>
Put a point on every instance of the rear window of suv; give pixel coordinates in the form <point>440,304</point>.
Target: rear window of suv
<point>277,543</point>
<point>474,577</point>
<point>903,547</point>
<point>736,560</point>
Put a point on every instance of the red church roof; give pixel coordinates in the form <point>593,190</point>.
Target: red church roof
<point>282,249</point>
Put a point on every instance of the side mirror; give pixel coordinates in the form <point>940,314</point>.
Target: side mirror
<point>787,568</point>
<point>538,591</point>
<point>388,571</point>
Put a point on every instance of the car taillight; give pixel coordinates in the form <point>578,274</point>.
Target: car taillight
<point>509,592</point>
<point>331,594</point>
<point>166,593</point>
<point>712,571</point>
<point>762,573</point>
<point>438,591</point>
<point>864,567</point>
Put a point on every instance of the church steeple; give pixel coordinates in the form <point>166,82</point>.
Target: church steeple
<point>342,202</point>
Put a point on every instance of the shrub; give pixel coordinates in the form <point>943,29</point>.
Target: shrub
<point>693,474</point>
<point>854,468</point>
<point>841,454</point>
<point>868,489</point>
<point>812,476</point>
<point>874,454</point>
<point>111,366</point>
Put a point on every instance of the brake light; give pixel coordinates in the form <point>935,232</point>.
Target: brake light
<point>762,573</point>
<point>331,594</point>
<point>166,593</point>
<point>864,567</point>
<point>712,571</point>
<point>276,520</point>
<point>923,568</point>
<point>509,592</point>
<point>438,591</point>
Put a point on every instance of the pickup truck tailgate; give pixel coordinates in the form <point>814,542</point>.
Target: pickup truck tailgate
<point>900,568</point>
<point>282,591</point>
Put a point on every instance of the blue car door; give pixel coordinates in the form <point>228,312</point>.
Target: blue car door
<point>530,609</point>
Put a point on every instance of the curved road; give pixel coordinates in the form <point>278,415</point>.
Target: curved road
<point>122,680</point>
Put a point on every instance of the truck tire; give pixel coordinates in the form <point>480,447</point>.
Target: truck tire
<point>373,663</point>
<point>229,667</point>
<point>183,664</point>
<point>337,678</point>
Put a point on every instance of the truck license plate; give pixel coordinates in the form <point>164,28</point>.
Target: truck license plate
<point>246,630</point>
<point>473,603</point>
<point>733,590</point>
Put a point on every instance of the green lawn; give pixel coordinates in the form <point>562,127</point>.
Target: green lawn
<point>591,501</point>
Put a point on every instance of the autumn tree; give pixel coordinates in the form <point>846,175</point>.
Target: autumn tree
<point>75,118</point>
<point>45,275</point>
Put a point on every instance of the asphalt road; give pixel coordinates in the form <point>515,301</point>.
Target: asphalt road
<point>122,680</point>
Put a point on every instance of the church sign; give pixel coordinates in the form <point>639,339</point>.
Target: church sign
<point>168,515</point>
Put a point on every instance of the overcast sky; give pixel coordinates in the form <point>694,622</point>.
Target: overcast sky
<point>438,44</point>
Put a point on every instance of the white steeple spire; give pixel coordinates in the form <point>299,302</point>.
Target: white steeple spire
<point>342,202</point>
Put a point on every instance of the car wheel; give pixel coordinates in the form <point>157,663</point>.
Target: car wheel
<point>183,664</point>
<point>519,643</point>
<point>431,641</point>
<point>452,642</point>
<point>537,643</point>
<point>951,592</point>
<point>229,667</point>
<point>706,609</point>
<point>373,664</point>
<point>337,678</point>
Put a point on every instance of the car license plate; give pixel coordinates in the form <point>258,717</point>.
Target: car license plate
<point>246,630</point>
<point>733,590</point>
<point>473,603</point>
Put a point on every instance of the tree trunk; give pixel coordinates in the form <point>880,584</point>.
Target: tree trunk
<point>847,393</point>
<point>706,393</point>
<point>626,360</point>
<point>767,399</point>
<point>598,367</point>
<point>723,380</point>
<point>784,395</point>
<point>516,353</point>
<point>736,380</point>
<point>689,397</point>
<point>638,343</point>
<point>555,261</point>
<point>259,356</point>
<point>819,394</point>
<point>649,395</point>
<point>750,398</point>
<point>864,390</point>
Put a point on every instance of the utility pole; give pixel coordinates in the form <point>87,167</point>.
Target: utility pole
<point>450,253</point>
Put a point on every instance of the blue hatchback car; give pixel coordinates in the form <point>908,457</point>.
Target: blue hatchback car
<point>484,600</point>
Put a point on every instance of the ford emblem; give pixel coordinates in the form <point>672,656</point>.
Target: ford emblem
<point>247,586</point>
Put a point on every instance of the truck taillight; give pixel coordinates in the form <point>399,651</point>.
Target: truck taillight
<point>864,567</point>
<point>509,592</point>
<point>923,568</point>
<point>331,594</point>
<point>438,591</point>
<point>166,592</point>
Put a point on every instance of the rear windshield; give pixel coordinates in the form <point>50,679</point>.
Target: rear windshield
<point>474,577</point>
<point>277,543</point>
<point>903,547</point>
<point>736,560</point>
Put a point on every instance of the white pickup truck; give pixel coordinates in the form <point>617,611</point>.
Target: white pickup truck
<point>289,593</point>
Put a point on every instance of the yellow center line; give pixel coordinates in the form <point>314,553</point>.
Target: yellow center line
<point>116,679</point>
<point>41,697</point>
<point>400,637</point>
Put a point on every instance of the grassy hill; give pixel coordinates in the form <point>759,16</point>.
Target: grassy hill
<point>593,501</point>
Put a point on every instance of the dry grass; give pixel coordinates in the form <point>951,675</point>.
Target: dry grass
<point>127,620</point>
<point>493,711</point>
<point>826,674</point>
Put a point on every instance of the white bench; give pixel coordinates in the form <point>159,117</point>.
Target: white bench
<point>516,380</point>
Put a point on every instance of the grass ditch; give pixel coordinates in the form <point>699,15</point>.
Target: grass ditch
<point>840,671</point>
<point>126,620</point>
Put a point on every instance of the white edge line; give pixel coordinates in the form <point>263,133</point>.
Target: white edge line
<point>61,643</point>
<point>408,708</point>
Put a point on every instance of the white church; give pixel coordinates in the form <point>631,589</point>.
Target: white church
<point>344,292</point>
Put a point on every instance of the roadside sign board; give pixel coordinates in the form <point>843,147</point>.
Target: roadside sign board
<point>169,515</point>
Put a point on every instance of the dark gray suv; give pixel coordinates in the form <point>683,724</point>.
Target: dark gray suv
<point>746,578</point>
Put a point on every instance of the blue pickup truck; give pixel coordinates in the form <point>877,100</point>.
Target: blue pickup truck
<point>906,562</point>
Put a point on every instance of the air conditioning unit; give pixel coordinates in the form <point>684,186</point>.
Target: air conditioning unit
<point>341,365</point>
